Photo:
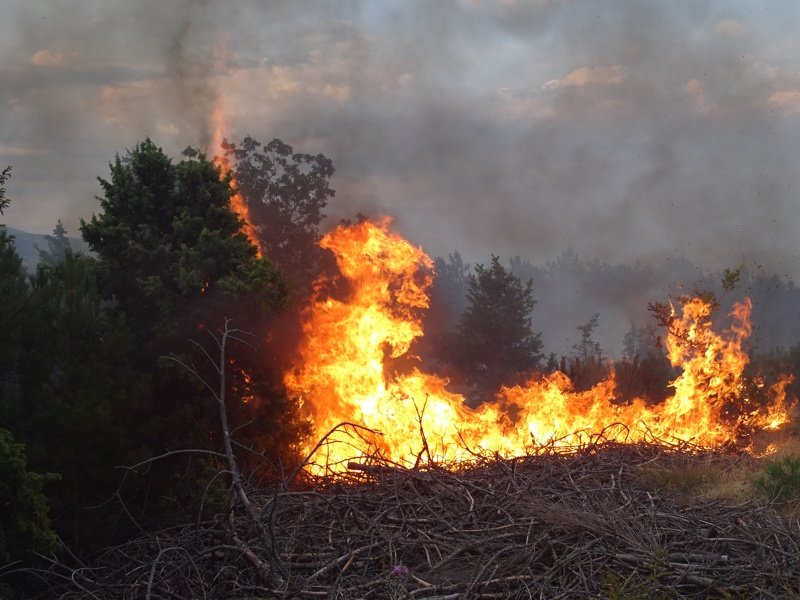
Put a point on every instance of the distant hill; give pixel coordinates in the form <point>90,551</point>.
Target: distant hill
<point>26,243</point>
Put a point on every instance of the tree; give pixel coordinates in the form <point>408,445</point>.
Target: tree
<point>172,257</point>
<point>494,340</point>
<point>68,385</point>
<point>16,304</point>
<point>57,245</point>
<point>644,371</point>
<point>237,492</point>
<point>4,201</point>
<point>587,365</point>
<point>448,292</point>
<point>24,521</point>
<point>587,348</point>
<point>448,299</point>
<point>286,193</point>
<point>24,524</point>
<point>170,250</point>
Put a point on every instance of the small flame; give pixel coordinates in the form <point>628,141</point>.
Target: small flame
<point>343,376</point>
<point>246,394</point>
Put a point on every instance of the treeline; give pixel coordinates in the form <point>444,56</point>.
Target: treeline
<point>588,313</point>
<point>569,291</point>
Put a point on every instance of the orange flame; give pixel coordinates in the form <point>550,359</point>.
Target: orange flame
<point>345,374</point>
<point>220,124</point>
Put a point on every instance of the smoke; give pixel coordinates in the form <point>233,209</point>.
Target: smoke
<point>635,131</point>
<point>193,78</point>
<point>654,134</point>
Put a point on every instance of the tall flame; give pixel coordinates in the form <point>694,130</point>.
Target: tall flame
<point>345,374</point>
<point>219,122</point>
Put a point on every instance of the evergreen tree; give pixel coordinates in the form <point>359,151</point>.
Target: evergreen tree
<point>170,249</point>
<point>448,299</point>
<point>588,349</point>
<point>448,292</point>
<point>24,523</point>
<point>4,201</point>
<point>172,256</point>
<point>71,395</point>
<point>57,245</point>
<point>494,340</point>
<point>587,365</point>
<point>644,371</point>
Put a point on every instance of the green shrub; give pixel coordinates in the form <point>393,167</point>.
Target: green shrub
<point>780,480</point>
<point>24,524</point>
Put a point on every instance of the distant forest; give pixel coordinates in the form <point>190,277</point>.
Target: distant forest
<point>569,290</point>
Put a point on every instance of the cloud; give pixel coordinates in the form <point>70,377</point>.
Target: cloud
<point>340,93</point>
<point>730,28</point>
<point>168,129</point>
<point>546,101</point>
<point>12,151</point>
<point>696,89</point>
<point>525,104</point>
<point>583,76</point>
<point>787,101</point>
<point>46,58</point>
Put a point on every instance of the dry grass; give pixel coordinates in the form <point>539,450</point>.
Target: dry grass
<point>715,476</point>
<point>729,478</point>
<point>735,484</point>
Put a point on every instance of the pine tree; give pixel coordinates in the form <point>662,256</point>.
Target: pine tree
<point>24,523</point>
<point>174,262</point>
<point>170,249</point>
<point>57,245</point>
<point>494,340</point>
<point>4,200</point>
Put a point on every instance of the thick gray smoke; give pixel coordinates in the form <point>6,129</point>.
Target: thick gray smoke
<point>625,130</point>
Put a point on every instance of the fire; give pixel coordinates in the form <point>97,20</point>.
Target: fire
<point>348,372</point>
<point>219,122</point>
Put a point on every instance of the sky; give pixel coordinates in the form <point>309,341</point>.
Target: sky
<point>626,130</point>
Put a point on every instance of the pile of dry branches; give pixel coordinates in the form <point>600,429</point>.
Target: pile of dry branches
<point>545,526</point>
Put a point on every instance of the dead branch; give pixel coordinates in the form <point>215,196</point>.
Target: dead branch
<point>547,525</point>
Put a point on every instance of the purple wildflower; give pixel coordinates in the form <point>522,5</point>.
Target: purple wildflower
<point>401,571</point>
